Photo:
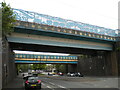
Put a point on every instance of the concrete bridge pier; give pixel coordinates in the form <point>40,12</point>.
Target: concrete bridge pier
<point>111,64</point>
<point>0,63</point>
<point>118,56</point>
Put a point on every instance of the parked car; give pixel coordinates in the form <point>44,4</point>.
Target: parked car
<point>52,73</point>
<point>32,82</point>
<point>60,73</point>
<point>72,74</point>
<point>79,74</point>
<point>35,74</point>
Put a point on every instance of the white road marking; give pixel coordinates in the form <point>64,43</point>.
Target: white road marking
<point>43,84</point>
<point>61,86</point>
<point>49,87</point>
<point>54,85</point>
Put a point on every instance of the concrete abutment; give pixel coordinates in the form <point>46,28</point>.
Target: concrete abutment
<point>8,64</point>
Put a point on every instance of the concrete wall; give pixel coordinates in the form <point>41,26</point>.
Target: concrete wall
<point>0,64</point>
<point>91,65</point>
<point>102,63</point>
<point>72,68</point>
<point>114,63</point>
<point>118,56</point>
<point>8,65</point>
<point>113,60</point>
<point>0,47</point>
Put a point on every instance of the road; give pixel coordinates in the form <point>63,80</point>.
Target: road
<point>68,83</point>
<point>79,82</point>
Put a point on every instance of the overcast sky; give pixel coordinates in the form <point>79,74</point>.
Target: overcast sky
<point>102,13</point>
<point>43,53</point>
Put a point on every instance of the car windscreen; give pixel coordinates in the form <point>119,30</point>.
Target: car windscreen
<point>32,78</point>
<point>36,78</point>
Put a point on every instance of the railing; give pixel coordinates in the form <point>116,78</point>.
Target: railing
<point>28,16</point>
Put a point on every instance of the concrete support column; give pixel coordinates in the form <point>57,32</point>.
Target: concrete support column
<point>0,47</point>
<point>108,67</point>
<point>0,64</point>
<point>114,64</point>
<point>118,55</point>
<point>111,64</point>
<point>8,64</point>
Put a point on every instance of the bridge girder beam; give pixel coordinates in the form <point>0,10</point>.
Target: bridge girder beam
<point>55,49</point>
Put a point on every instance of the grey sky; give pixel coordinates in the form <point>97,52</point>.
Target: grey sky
<point>102,13</point>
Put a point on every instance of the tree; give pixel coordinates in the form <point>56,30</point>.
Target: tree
<point>118,48</point>
<point>7,19</point>
<point>60,67</point>
<point>23,67</point>
<point>38,66</point>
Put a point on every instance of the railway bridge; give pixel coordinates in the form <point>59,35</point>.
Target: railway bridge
<point>95,46</point>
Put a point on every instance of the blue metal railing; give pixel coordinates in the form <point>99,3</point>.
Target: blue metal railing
<point>29,16</point>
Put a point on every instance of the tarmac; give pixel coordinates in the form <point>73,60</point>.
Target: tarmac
<point>18,82</point>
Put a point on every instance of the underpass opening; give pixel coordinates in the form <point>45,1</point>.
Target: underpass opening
<point>49,61</point>
<point>90,62</point>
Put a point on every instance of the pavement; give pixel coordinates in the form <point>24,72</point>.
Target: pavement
<point>17,83</point>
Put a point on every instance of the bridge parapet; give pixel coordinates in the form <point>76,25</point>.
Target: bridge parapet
<point>48,28</point>
<point>29,16</point>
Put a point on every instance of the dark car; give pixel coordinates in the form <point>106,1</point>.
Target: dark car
<point>26,77</point>
<point>32,82</point>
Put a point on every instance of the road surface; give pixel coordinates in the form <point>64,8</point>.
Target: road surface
<point>69,83</point>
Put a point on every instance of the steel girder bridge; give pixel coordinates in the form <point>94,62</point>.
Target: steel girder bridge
<point>66,33</point>
<point>44,59</point>
<point>39,29</point>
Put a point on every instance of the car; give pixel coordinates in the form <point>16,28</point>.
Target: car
<point>32,82</point>
<point>78,74</point>
<point>60,73</point>
<point>26,77</point>
<point>51,73</point>
<point>35,74</point>
<point>72,74</point>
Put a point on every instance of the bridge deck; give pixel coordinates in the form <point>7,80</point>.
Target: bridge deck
<point>59,30</point>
